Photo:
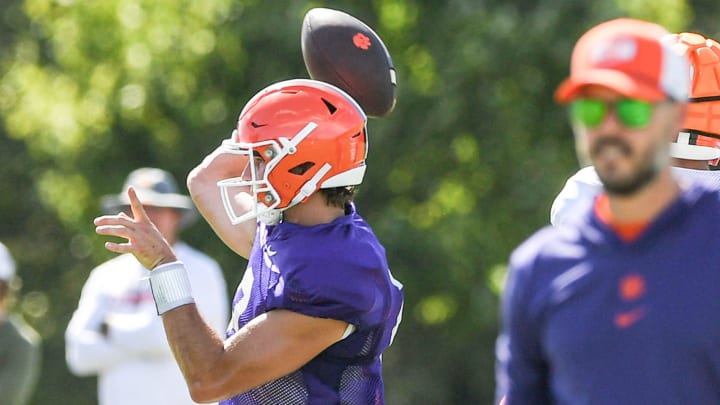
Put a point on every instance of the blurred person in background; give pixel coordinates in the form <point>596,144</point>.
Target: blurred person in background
<point>619,305</point>
<point>20,345</point>
<point>115,332</point>
<point>695,152</point>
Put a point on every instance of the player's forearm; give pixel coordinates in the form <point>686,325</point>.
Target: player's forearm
<point>210,206</point>
<point>202,184</point>
<point>198,351</point>
<point>270,346</point>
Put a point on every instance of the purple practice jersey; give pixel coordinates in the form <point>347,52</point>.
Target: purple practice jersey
<point>337,271</point>
<point>590,318</point>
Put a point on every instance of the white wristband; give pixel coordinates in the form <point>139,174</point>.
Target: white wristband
<point>170,286</point>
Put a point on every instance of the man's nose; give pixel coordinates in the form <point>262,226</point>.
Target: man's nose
<point>611,122</point>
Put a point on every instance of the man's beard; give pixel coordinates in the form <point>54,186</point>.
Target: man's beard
<point>647,169</point>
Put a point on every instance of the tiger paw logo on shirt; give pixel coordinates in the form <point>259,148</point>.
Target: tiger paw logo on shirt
<point>631,288</point>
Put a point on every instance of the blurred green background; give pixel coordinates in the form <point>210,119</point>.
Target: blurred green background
<point>463,170</point>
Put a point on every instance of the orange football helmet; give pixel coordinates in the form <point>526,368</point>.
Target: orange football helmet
<point>700,137</point>
<point>300,136</point>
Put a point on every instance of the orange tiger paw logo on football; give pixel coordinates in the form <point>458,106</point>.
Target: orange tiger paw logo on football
<point>361,41</point>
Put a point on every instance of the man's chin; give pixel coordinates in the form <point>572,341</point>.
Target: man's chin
<point>620,188</point>
<point>625,185</point>
<point>614,186</point>
<point>611,174</point>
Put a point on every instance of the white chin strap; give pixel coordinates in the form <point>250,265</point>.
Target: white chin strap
<point>308,188</point>
<point>682,149</point>
<point>270,217</point>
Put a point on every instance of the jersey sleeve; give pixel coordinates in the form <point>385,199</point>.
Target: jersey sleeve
<point>521,372</point>
<point>333,286</point>
<point>100,337</point>
<point>87,350</point>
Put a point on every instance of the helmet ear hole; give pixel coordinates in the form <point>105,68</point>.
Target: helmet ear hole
<point>301,168</point>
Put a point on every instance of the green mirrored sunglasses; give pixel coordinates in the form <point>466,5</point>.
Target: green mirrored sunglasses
<point>630,112</point>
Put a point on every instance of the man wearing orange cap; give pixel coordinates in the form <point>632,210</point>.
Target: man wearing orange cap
<point>620,306</point>
<point>697,146</point>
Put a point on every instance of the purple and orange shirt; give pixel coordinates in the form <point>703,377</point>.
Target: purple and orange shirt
<point>590,317</point>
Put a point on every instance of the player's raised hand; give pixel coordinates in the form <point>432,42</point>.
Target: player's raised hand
<point>144,240</point>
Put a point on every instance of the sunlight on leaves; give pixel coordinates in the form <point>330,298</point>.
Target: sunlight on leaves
<point>138,56</point>
<point>214,111</point>
<point>465,148</point>
<point>132,96</point>
<point>397,15</point>
<point>436,309</point>
<point>421,67</point>
<point>674,15</point>
<point>202,42</point>
<point>451,197</point>
<point>130,15</point>
<point>35,304</point>
<point>496,278</point>
<point>400,179</point>
<point>54,188</point>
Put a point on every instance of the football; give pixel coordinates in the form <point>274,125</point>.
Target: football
<point>340,49</point>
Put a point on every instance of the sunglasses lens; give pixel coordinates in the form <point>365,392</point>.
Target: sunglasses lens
<point>631,113</point>
<point>588,112</point>
<point>634,113</point>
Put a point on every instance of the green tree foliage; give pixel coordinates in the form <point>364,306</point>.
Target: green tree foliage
<point>463,170</point>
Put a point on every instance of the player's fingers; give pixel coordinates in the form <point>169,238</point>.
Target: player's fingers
<point>114,230</point>
<point>137,209</point>
<point>115,220</point>
<point>119,247</point>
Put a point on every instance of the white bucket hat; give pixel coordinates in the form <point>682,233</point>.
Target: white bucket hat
<point>154,187</point>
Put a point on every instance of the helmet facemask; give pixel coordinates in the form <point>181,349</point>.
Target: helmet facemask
<point>265,197</point>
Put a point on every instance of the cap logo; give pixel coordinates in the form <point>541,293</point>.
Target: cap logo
<point>631,287</point>
<point>614,52</point>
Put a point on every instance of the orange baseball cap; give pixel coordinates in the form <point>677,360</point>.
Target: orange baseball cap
<point>628,56</point>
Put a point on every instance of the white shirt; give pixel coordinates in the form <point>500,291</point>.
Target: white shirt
<point>133,360</point>
<point>582,187</point>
